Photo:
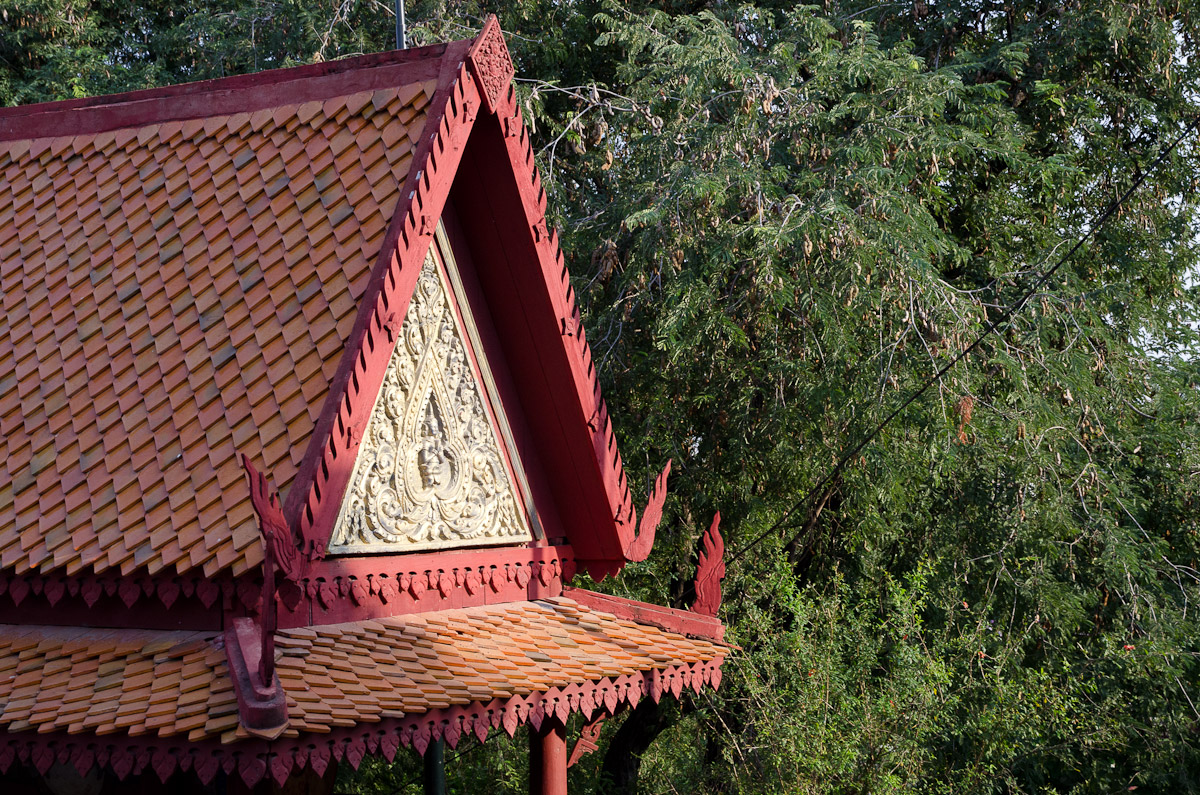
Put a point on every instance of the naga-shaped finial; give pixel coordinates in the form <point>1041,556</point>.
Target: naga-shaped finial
<point>639,546</point>
<point>250,643</point>
<point>277,536</point>
<point>710,570</point>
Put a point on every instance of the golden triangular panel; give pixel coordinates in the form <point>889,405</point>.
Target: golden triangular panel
<point>430,473</point>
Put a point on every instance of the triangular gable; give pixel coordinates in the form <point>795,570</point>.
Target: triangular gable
<point>476,112</point>
<point>431,472</point>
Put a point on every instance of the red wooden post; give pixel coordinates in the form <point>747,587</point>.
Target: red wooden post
<point>548,759</point>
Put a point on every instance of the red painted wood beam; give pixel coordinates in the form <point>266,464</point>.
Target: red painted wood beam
<point>685,622</point>
<point>224,96</point>
<point>262,705</point>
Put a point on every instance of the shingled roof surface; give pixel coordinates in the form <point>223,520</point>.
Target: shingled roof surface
<point>176,292</point>
<point>177,683</point>
<point>114,680</point>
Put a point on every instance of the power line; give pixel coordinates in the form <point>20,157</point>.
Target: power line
<point>1004,317</point>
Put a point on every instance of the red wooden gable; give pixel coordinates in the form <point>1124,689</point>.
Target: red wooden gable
<point>477,171</point>
<point>220,268</point>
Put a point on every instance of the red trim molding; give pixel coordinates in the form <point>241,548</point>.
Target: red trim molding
<point>337,590</point>
<point>315,496</point>
<point>685,622</point>
<point>162,601</point>
<point>227,95</point>
<point>593,409</point>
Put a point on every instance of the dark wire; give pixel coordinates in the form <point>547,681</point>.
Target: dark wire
<point>1006,315</point>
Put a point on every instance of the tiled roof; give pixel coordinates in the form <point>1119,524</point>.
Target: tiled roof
<point>174,293</point>
<point>173,683</point>
<point>113,680</point>
<point>371,670</point>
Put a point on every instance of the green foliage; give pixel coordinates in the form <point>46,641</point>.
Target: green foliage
<point>782,220</point>
<point>498,767</point>
<point>808,213</point>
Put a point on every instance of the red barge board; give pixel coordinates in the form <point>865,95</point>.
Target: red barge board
<point>341,275</point>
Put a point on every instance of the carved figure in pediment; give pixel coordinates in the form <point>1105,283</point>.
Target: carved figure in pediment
<point>429,471</point>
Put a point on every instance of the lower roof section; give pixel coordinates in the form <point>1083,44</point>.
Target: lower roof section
<point>114,681</point>
<point>138,698</point>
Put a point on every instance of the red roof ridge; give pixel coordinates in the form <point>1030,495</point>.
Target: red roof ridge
<point>218,96</point>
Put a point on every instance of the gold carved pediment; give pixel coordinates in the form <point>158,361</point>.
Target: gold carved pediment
<point>430,471</point>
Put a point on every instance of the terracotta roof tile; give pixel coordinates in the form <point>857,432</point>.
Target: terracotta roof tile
<point>184,286</point>
<point>174,683</point>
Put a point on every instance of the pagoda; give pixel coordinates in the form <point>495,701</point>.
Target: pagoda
<point>337,280</point>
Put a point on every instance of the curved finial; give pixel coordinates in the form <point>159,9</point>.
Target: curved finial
<point>277,536</point>
<point>710,570</point>
<point>639,547</point>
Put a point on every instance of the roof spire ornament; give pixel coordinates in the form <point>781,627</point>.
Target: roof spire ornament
<point>280,545</point>
<point>491,63</point>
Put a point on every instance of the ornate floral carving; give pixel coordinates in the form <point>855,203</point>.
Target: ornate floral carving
<point>429,471</point>
<point>491,63</point>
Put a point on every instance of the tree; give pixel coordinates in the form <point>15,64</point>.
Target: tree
<point>782,221</point>
<point>807,214</point>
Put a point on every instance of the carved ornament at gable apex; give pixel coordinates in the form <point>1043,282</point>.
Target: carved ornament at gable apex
<point>491,63</point>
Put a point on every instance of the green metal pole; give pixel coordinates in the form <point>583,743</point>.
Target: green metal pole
<point>435,768</point>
